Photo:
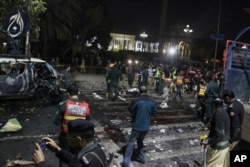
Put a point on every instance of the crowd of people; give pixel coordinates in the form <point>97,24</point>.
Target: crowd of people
<point>220,111</point>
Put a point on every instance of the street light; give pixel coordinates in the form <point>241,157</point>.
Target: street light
<point>143,35</point>
<point>185,50</point>
<point>187,29</point>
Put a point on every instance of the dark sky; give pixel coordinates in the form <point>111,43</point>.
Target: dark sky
<point>136,16</point>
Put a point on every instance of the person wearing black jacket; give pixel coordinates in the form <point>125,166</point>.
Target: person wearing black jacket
<point>217,143</point>
<point>81,135</point>
<point>235,111</point>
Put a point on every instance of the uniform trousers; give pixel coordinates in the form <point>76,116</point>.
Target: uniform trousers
<point>217,158</point>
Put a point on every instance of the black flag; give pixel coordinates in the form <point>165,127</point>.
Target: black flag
<point>16,24</point>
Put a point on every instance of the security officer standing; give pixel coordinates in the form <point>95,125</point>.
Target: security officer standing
<point>217,143</point>
<point>200,102</point>
<point>113,77</point>
<point>211,93</point>
<point>236,112</point>
<point>68,110</point>
<point>81,137</point>
<point>141,109</point>
<point>178,84</point>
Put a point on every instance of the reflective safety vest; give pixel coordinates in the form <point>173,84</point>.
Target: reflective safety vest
<point>179,80</point>
<point>202,90</point>
<point>74,110</point>
<point>174,75</point>
<point>158,74</point>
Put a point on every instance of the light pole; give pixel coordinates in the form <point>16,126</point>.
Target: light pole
<point>187,31</point>
<point>218,30</point>
<point>143,36</point>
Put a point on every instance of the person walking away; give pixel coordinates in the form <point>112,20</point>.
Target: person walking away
<point>217,143</point>
<point>131,75</point>
<point>236,112</point>
<point>113,77</point>
<point>141,109</point>
<point>199,109</point>
<point>178,84</point>
<point>81,136</point>
<point>145,75</point>
<point>68,110</point>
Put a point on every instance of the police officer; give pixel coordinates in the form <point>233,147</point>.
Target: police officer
<point>178,84</point>
<point>81,136</point>
<point>211,93</point>
<point>217,143</point>
<point>70,109</point>
<point>200,102</point>
<point>114,75</point>
<point>236,111</point>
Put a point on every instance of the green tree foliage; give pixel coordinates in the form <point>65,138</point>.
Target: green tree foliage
<point>72,23</point>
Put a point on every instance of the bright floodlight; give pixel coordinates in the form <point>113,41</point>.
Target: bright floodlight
<point>171,51</point>
<point>129,61</point>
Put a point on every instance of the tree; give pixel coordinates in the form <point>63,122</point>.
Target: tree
<point>71,24</point>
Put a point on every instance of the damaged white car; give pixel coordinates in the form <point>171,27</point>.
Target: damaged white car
<point>25,77</point>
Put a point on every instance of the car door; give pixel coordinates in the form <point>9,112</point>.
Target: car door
<point>19,81</point>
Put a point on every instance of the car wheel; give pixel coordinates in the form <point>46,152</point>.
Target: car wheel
<point>42,94</point>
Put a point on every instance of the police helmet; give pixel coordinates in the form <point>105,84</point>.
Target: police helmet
<point>218,102</point>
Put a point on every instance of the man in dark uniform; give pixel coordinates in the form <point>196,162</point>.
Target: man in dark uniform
<point>141,109</point>
<point>211,93</point>
<point>113,77</point>
<point>235,111</point>
<point>81,136</point>
<point>217,143</point>
<point>70,109</point>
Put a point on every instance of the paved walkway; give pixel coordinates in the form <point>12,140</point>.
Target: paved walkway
<point>94,82</point>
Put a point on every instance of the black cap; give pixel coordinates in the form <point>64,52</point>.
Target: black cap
<point>218,102</point>
<point>80,126</point>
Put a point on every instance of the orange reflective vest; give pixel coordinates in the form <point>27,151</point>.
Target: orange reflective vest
<point>74,110</point>
<point>179,80</point>
<point>202,90</point>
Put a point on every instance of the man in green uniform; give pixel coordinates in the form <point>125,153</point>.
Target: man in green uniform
<point>113,78</point>
<point>211,93</point>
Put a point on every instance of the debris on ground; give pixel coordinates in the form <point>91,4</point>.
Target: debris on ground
<point>12,125</point>
<point>96,96</point>
<point>10,163</point>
